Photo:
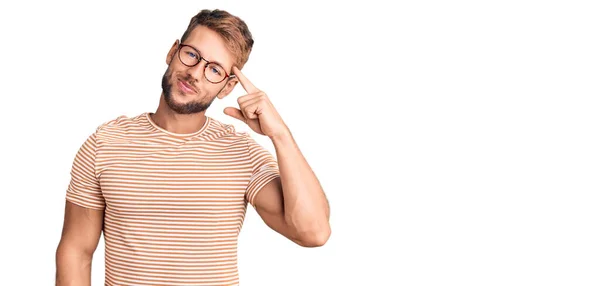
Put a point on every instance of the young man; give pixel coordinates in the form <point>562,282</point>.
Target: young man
<point>170,189</point>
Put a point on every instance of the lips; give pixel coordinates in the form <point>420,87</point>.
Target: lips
<point>185,87</point>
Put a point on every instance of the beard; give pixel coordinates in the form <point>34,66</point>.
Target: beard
<point>182,108</point>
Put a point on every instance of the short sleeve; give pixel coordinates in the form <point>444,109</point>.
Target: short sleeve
<point>264,169</point>
<point>84,188</point>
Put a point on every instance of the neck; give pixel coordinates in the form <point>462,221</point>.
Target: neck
<point>173,122</point>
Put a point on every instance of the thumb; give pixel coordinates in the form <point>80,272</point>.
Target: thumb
<point>235,113</point>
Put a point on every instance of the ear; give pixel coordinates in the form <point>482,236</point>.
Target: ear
<point>228,87</point>
<point>172,52</point>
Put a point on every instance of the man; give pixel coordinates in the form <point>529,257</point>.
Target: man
<point>170,189</point>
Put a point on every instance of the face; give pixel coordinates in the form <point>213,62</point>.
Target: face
<point>185,89</point>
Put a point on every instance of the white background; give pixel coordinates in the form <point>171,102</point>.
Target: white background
<point>457,141</point>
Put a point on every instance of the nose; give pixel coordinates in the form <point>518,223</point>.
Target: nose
<point>197,71</point>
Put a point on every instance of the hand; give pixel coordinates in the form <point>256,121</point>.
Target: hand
<point>256,110</point>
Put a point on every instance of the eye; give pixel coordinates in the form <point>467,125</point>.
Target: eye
<point>215,69</point>
<point>191,54</point>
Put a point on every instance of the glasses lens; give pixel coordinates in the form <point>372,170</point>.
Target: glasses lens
<point>214,72</point>
<point>188,56</point>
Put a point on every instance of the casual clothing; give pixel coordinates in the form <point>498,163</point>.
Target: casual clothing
<point>174,203</point>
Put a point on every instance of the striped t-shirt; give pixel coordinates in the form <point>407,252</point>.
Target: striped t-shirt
<point>174,203</point>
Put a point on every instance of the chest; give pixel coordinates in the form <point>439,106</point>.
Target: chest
<point>190,178</point>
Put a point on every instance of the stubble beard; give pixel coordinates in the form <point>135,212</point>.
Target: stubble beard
<point>181,108</point>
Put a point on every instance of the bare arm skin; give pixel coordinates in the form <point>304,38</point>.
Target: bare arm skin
<point>81,232</point>
<point>295,204</point>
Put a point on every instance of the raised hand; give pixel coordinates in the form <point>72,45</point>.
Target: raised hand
<point>256,110</point>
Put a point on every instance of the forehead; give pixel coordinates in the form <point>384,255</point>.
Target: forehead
<point>211,45</point>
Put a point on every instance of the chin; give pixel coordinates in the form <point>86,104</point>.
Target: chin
<point>182,99</point>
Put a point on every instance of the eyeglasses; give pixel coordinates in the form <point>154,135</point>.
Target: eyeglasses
<point>213,72</point>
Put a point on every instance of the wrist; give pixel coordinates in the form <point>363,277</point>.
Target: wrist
<point>282,137</point>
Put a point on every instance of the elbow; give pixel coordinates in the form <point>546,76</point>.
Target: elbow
<point>310,231</point>
<point>316,238</point>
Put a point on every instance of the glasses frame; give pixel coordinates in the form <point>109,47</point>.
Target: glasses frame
<point>200,58</point>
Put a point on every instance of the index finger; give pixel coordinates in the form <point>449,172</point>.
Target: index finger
<point>246,84</point>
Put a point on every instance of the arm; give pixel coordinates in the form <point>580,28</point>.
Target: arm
<point>81,232</point>
<point>294,204</point>
<point>83,221</point>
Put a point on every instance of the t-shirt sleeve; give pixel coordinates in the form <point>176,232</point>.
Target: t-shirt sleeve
<point>84,188</point>
<point>264,169</point>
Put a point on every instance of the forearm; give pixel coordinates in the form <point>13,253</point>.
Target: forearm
<point>73,267</point>
<point>305,206</point>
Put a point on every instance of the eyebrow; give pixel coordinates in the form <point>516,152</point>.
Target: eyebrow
<point>200,53</point>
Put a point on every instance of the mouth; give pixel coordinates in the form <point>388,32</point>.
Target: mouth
<point>185,87</point>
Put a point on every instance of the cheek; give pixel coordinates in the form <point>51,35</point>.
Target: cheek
<point>209,88</point>
<point>208,91</point>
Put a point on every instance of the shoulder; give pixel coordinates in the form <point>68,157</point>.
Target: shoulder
<point>218,129</point>
<point>120,126</point>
